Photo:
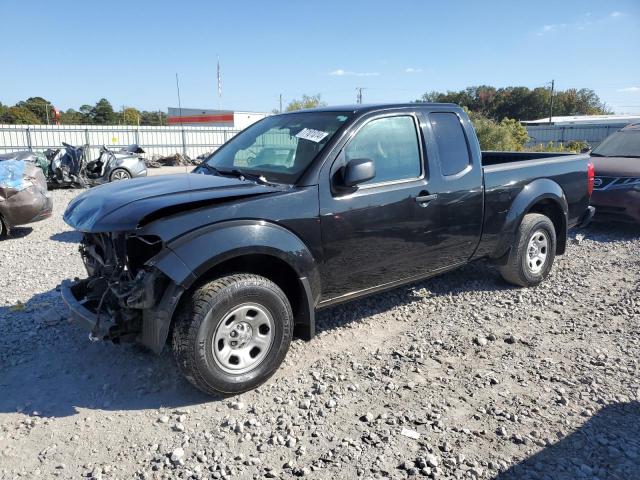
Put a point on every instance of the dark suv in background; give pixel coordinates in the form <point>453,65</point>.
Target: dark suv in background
<point>616,193</point>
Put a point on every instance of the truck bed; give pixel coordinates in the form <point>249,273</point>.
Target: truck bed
<point>506,174</point>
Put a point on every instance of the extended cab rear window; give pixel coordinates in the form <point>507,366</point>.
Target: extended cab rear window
<point>451,141</point>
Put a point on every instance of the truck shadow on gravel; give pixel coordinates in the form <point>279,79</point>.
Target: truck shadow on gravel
<point>606,446</point>
<point>476,276</point>
<point>49,366</point>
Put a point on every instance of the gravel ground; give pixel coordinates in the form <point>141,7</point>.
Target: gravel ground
<point>461,376</point>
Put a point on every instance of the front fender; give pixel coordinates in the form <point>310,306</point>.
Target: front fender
<point>533,193</point>
<point>206,247</point>
<point>189,257</point>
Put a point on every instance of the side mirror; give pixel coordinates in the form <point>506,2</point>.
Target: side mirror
<point>585,150</point>
<point>358,170</point>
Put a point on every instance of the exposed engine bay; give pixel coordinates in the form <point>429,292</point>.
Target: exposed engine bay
<point>119,286</point>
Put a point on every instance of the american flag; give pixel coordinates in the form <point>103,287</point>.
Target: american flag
<point>219,80</point>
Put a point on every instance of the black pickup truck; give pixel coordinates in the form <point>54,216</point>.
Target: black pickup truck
<point>305,210</point>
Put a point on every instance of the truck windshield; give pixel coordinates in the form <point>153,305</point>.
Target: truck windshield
<point>278,148</point>
<point>620,144</point>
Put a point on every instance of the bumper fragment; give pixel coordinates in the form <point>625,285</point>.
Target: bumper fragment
<point>79,313</point>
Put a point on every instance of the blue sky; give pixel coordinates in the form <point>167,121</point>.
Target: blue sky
<point>129,51</point>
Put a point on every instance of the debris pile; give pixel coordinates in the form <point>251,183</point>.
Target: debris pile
<point>175,160</point>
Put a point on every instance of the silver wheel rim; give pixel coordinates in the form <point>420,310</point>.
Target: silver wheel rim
<point>537,251</point>
<point>243,338</point>
<point>120,175</point>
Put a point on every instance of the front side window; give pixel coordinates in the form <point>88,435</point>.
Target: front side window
<point>279,147</point>
<point>392,144</point>
<point>451,141</point>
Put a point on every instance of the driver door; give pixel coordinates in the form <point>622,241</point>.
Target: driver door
<point>381,232</point>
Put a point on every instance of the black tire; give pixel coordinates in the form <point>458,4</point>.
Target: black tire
<point>520,269</point>
<point>202,314</point>
<point>4,231</point>
<point>119,171</point>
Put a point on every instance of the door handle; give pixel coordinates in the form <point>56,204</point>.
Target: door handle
<point>425,199</point>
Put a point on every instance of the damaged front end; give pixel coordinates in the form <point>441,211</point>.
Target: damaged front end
<point>125,297</point>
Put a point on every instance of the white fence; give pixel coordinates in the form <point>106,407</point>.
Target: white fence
<point>192,141</point>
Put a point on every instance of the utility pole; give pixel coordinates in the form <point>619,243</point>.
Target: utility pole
<point>280,103</point>
<point>179,103</point>
<point>359,97</point>
<point>551,103</point>
<point>184,138</point>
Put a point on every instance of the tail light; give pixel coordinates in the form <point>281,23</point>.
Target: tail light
<point>591,175</point>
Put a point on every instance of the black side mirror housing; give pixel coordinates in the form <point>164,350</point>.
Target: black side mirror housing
<point>585,150</point>
<point>357,171</point>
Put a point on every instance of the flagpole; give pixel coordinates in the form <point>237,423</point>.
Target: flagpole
<point>219,83</point>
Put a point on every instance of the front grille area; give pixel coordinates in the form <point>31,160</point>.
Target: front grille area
<point>615,183</point>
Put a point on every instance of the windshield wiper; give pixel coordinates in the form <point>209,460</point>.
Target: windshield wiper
<point>597,155</point>
<point>208,167</point>
<point>235,172</point>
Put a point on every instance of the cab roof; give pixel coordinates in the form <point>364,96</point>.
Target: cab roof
<point>363,108</point>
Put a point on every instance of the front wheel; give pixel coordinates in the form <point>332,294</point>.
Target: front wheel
<point>532,253</point>
<point>232,333</point>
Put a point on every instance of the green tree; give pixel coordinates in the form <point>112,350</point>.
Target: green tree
<point>39,106</point>
<point>73,117</point>
<point>18,116</point>
<point>307,101</point>
<point>153,118</point>
<point>102,113</point>
<point>508,134</point>
<point>521,103</point>
<point>131,116</point>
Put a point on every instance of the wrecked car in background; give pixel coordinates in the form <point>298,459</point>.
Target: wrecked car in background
<point>69,167</point>
<point>66,166</point>
<point>112,166</point>
<point>23,193</point>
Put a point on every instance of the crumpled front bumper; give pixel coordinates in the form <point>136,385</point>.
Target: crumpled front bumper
<point>70,291</point>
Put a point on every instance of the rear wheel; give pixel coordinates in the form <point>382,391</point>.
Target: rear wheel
<point>119,174</point>
<point>532,253</point>
<point>232,333</point>
<point>3,228</point>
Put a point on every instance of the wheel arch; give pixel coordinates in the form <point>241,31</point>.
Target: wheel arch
<point>280,272</point>
<point>542,196</point>
<point>259,247</point>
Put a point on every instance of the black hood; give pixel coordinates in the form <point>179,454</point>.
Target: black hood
<point>121,206</point>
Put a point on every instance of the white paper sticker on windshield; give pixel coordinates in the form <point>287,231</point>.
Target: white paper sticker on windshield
<point>311,134</point>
